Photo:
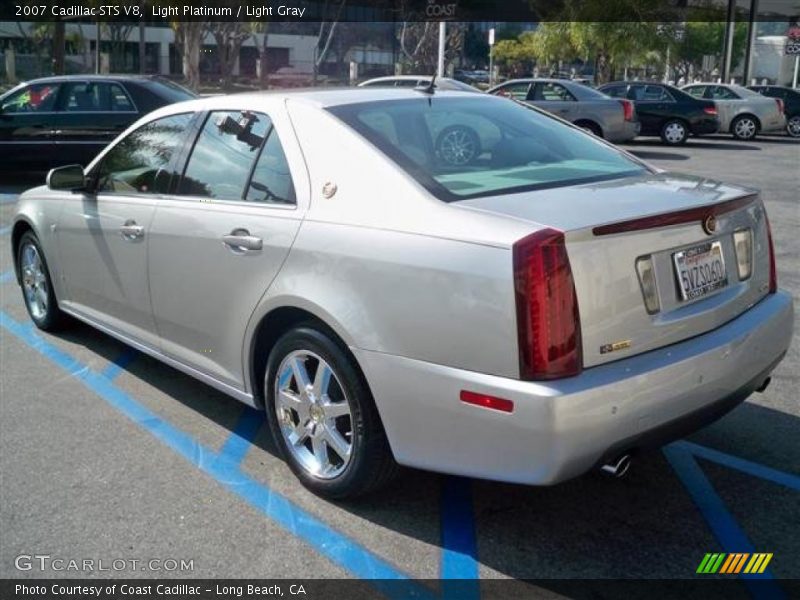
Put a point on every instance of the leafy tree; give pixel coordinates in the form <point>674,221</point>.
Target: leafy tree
<point>706,38</point>
<point>188,39</point>
<point>229,36</point>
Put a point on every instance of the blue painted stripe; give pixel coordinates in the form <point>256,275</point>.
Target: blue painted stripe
<point>5,230</point>
<point>8,198</point>
<point>338,548</point>
<point>719,519</point>
<point>7,277</point>
<point>459,546</point>
<point>126,357</point>
<point>745,466</point>
<point>243,435</point>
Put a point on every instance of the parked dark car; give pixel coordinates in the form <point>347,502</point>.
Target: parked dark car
<point>666,111</point>
<point>791,104</point>
<point>53,121</point>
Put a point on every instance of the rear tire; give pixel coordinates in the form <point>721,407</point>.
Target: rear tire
<point>744,128</point>
<point>323,418</point>
<point>37,287</point>
<point>674,132</point>
<point>591,127</point>
<point>793,126</point>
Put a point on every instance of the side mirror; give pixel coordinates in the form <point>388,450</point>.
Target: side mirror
<point>67,178</point>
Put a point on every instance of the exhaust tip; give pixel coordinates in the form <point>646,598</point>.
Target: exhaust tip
<point>618,467</point>
<point>764,385</point>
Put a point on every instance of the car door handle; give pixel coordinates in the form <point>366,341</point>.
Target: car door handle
<point>240,241</point>
<point>131,231</point>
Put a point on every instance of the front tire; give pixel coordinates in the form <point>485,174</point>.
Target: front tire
<point>323,417</point>
<point>37,287</point>
<point>674,132</point>
<point>744,128</point>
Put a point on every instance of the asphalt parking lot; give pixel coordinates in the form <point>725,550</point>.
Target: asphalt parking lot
<point>108,454</point>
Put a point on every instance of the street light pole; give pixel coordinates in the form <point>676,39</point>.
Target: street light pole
<point>442,38</point>
<point>727,51</point>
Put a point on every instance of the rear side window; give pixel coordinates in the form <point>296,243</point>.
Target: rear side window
<point>139,162</point>
<point>38,97</point>
<point>224,154</point>
<point>271,180</point>
<point>552,92</point>
<point>94,96</point>
<point>696,91</point>
<point>516,91</point>
<point>722,93</point>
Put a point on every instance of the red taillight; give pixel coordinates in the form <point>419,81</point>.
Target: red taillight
<point>548,323</point>
<point>780,105</point>
<point>487,401</point>
<point>627,109</point>
<point>773,271</point>
<point>710,110</point>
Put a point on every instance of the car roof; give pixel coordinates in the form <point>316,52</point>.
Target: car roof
<point>317,97</point>
<point>95,77</point>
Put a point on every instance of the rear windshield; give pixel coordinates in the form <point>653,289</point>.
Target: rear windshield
<point>468,147</point>
<point>171,91</point>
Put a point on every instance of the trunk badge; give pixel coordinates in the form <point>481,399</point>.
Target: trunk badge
<point>710,224</point>
<point>615,346</point>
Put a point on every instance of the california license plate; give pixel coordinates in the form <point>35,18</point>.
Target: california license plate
<point>700,270</point>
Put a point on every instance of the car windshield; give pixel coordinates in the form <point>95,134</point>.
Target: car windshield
<point>467,147</point>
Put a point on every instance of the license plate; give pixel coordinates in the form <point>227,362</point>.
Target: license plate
<point>700,270</point>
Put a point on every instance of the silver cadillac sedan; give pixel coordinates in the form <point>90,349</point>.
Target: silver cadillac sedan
<point>448,281</point>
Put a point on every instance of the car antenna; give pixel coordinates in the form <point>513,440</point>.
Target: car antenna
<point>430,88</point>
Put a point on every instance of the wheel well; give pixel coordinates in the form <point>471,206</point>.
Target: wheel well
<point>272,326</point>
<point>589,124</point>
<point>20,227</point>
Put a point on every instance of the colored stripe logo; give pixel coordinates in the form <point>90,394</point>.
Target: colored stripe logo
<point>731,564</point>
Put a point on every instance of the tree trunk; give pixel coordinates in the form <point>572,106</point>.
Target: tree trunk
<point>58,48</point>
<point>142,48</point>
<point>192,40</point>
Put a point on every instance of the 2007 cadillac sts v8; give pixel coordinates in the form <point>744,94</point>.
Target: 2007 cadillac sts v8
<point>449,281</point>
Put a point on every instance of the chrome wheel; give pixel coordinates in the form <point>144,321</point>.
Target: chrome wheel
<point>793,126</point>
<point>34,280</point>
<point>458,146</point>
<point>674,132</point>
<point>745,128</point>
<point>314,414</point>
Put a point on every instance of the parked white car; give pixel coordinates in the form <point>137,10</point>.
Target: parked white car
<point>742,112</point>
<point>523,310</point>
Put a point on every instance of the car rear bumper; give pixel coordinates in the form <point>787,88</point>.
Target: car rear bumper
<point>624,132</point>
<point>563,428</point>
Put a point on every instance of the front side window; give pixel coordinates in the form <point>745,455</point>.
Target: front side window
<point>223,155</point>
<point>38,97</point>
<point>468,147</point>
<point>139,162</point>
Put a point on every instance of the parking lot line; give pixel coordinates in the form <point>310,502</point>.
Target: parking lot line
<point>338,548</point>
<point>719,519</point>
<point>459,546</point>
<point>745,466</point>
<point>243,435</point>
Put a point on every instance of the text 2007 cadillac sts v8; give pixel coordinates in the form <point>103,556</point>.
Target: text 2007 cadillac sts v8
<point>448,281</point>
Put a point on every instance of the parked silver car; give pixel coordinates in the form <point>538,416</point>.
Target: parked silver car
<point>550,305</point>
<point>412,81</point>
<point>742,112</point>
<point>613,119</point>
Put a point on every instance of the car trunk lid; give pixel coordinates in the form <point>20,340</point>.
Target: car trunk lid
<point>609,226</point>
